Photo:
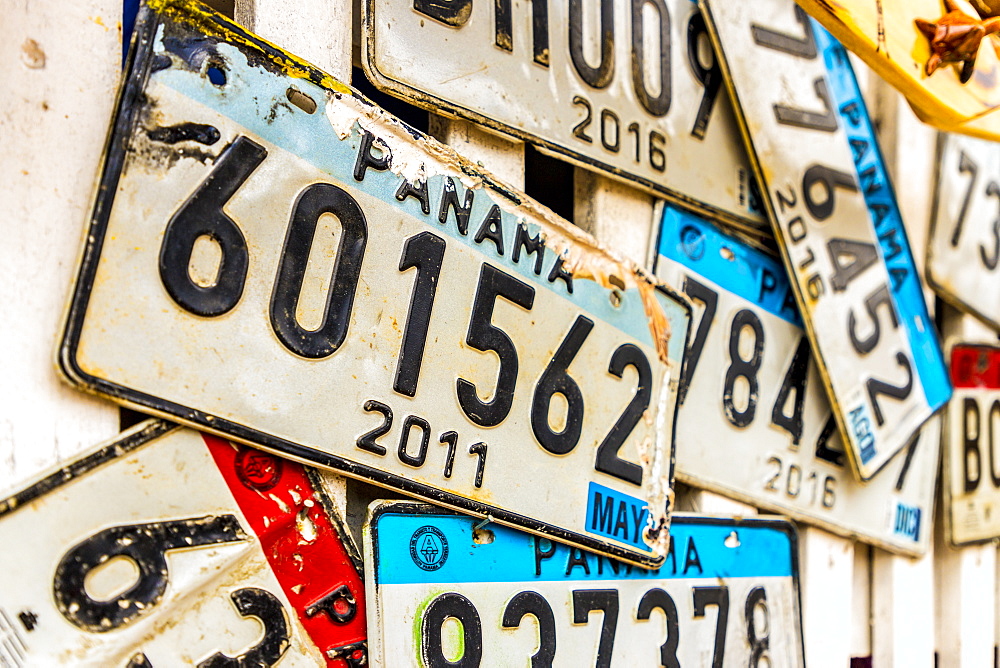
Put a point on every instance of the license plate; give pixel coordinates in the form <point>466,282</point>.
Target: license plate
<point>964,248</point>
<point>885,36</point>
<point>972,448</point>
<point>837,223</point>
<point>166,547</point>
<point>380,307</point>
<point>442,590</point>
<point>754,422</point>
<point>631,89</point>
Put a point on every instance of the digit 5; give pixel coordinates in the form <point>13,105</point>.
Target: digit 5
<point>483,335</point>
<point>874,300</point>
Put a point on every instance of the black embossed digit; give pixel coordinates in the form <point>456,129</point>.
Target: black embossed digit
<point>403,453</point>
<point>425,253</point>
<point>446,606</point>
<point>709,77</point>
<point>556,380</point>
<point>314,201</point>
<point>719,597</point>
<point>880,387</point>
<point>606,601</point>
<point>484,336</point>
<point>367,441</point>
<point>608,461</point>
<point>759,643</point>
<point>264,606</point>
<point>534,604</point>
<point>658,598</point>
<point>145,545</point>
<point>202,215</point>
<point>743,368</point>
<point>710,299</point>
<point>966,166</point>
<point>794,381</point>
<point>657,105</point>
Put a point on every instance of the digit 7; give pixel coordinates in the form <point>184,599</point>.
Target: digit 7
<point>717,596</point>
<point>710,298</point>
<point>605,600</point>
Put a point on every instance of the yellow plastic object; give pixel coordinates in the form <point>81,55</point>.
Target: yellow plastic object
<point>883,33</point>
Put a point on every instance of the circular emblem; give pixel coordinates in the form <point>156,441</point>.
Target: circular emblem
<point>258,470</point>
<point>428,548</point>
<point>692,242</point>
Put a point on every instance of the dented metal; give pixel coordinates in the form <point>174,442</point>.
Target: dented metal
<point>330,284</point>
<point>837,222</point>
<point>200,560</point>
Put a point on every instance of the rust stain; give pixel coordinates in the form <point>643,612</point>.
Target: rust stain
<point>32,54</point>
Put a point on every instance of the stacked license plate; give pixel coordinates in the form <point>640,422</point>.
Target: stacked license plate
<point>275,261</point>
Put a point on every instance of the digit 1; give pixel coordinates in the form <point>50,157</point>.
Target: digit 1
<point>445,606</point>
<point>202,215</point>
<point>479,449</point>
<point>709,77</point>
<point>145,545</point>
<point>314,201</point>
<point>425,252</point>
<point>449,438</point>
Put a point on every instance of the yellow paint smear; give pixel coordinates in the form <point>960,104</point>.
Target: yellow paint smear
<point>883,34</point>
<point>213,24</point>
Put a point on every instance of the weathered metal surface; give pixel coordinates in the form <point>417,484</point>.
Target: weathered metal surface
<point>887,37</point>
<point>631,89</point>
<point>754,422</point>
<point>469,348</point>
<point>837,223</point>
<point>727,595</point>
<point>971,474</point>
<point>169,547</point>
<point>964,248</point>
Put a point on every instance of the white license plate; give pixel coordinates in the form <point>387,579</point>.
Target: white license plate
<point>754,422</point>
<point>972,447</point>
<point>379,308</point>
<point>166,547</point>
<point>964,248</point>
<point>837,223</point>
<point>440,590</point>
<point>629,88</point>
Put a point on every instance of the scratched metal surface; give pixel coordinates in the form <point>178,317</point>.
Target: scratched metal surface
<point>146,326</point>
<point>208,553</point>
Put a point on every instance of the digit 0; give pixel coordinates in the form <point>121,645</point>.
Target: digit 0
<point>442,608</point>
